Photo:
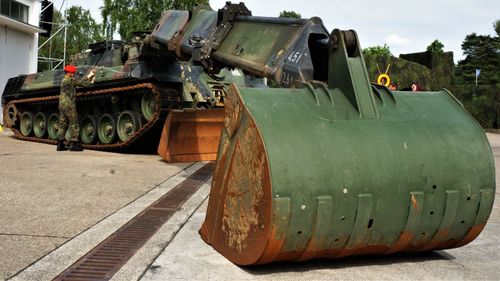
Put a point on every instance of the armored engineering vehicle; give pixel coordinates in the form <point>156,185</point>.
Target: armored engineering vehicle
<point>137,83</point>
<point>323,164</point>
<point>336,166</point>
<point>180,70</point>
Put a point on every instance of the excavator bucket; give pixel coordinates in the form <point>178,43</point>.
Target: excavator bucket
<point>191,135</point>
<point>346,168</point>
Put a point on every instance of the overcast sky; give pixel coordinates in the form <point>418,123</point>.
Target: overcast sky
<point>405,27</point>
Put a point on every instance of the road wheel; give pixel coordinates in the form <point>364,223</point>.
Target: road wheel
<point>26,123</point>
<point>149,104</point>
<point>129,122</point>
<point>88,129</point>
<point>40,124</point>
<point>106,129</point>
<point>53,126</point>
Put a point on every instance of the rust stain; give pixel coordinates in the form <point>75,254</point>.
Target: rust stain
<point>205,233</point>
<point>273,247</point>
<point>210,229</point>
<point>163,144</point>
<point>403,242</point>
<point>418,244</point>
<point>334,253</point>
<point>191,135</point>
<point>414,201</point>
<point>346,252</point>
<point>238,220</point>
<point>233,111</point>
<point>437,241</point>
<point>327,253</point>
<point>10,121</point>
<point>311,249</point>
<point>372,249</point>
<point>223,152</point>
<point>225,144</point>
<point>216,192</point>
<point>289,256</point>
<point>471,235</point>
<point>376,249</point>
<point>244,194</point>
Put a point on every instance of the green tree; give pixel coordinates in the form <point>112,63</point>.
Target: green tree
<point>482,101</point>
<point>127,16</point>
<point>481,52</point>
<point>382,51</point>
<point>290,14</point>
<point>436,46</point>
<point>82,30</point>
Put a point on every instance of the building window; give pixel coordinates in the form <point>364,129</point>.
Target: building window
<point>14,10</point>
<point>5,7</point>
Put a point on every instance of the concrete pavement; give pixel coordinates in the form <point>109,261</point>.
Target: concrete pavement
<point>188,257</point>
<point>49,197</point>
<point>50,220</point>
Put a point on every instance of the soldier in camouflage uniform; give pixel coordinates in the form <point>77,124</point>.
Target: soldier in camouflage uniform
<point>67,108</point>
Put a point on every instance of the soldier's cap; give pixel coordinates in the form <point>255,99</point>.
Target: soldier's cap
<point>70,68</point>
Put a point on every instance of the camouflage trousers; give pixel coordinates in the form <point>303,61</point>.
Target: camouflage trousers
<point>68,116</point>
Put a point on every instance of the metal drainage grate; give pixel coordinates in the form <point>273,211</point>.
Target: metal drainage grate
<point>102,262</point>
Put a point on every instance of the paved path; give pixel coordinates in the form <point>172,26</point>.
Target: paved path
<point>51,217</point>
<point>187,257</point>
<point>49,197</point>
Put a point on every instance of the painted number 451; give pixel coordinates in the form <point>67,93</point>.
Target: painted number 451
<point>294,57</point>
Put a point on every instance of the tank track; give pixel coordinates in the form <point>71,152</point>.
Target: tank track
<point>168,99</point>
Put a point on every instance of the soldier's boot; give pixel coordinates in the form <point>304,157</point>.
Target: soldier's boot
<point>60,145</point>
<point>75,146</point>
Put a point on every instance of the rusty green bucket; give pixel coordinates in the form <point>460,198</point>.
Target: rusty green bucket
<point>346,168</point>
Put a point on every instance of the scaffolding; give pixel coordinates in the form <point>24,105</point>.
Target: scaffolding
<point>55,62</point>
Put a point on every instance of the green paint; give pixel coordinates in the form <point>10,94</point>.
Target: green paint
<point>426,145</point>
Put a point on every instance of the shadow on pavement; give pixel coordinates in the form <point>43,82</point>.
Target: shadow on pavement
<point>355,261</point>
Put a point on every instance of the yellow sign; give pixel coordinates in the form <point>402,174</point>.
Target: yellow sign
<point>383,78</point>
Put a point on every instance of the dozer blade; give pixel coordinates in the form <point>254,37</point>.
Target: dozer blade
<point>191,135</point>
<point>301,174</point>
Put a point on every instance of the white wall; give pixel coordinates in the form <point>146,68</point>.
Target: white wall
<point>33,19</point>
<point>19,50</point>
<point>15,53</point>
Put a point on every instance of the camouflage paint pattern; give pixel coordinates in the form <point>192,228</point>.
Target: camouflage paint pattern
<point>67,107</point>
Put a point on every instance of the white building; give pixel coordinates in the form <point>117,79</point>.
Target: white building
<point>19,30</point>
